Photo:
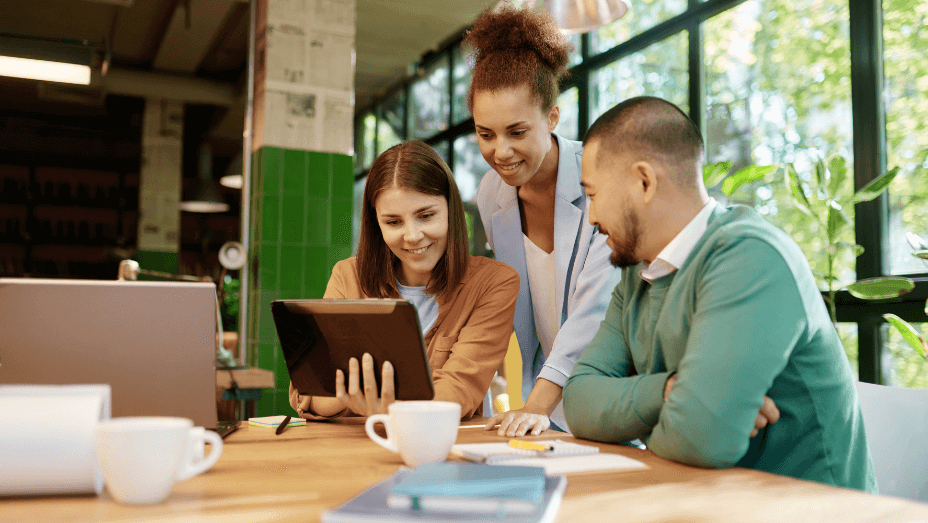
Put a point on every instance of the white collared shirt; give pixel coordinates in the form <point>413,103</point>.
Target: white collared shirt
<point>675,253</point>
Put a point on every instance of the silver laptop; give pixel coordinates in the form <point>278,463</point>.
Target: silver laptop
<point>154,343</point>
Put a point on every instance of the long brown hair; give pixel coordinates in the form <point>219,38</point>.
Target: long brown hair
<point>416,167</point>
<point>511,47</point>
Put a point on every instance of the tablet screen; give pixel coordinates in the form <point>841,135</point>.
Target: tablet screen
<point>319,336</point>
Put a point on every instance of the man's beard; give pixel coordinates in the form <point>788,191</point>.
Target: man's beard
<point>623,251</point>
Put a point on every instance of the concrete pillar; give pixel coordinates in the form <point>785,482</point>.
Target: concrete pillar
<point>160,185</point>
<point>302,170</point>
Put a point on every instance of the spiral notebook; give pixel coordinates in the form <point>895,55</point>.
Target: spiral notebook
<point>565,457</point>
<point>495,453</point>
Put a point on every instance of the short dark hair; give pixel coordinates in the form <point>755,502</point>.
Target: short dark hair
<point>417,167</point>
<point>650,126</point>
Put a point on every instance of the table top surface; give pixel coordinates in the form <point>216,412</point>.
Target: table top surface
<point>313,468</point>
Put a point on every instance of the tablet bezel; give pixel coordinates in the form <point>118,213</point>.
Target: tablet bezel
<point>388,329</point>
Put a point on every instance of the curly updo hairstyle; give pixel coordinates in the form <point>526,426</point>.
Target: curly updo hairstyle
<point>511,47</point>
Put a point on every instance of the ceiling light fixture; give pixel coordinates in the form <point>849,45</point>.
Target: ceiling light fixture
<point>233,178</point>
<point>50,60</point>
<point>582,16</point>
<point>202,195</point>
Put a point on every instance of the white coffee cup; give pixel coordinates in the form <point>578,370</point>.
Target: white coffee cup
<point>420,431</point>
<point>141,458</point>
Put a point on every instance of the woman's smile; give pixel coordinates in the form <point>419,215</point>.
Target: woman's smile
<point>417,251</point>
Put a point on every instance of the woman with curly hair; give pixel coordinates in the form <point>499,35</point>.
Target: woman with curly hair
<point>533,207</point>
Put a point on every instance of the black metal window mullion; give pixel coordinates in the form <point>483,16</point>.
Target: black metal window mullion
<point>872,218</point>
<point>407,94</point>
<point>697,76</point>
<point>583,88</point>
<point>450,53</point>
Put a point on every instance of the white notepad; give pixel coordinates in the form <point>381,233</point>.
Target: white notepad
<point>492,453</point>
<point>566,458</point>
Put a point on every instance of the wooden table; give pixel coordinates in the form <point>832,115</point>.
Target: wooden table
<point>307,470</point>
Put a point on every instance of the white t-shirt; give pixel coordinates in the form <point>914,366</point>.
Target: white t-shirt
<point>540,265</point>
<point>424,303</point>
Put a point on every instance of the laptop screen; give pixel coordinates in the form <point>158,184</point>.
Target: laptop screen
<point>154,343</point>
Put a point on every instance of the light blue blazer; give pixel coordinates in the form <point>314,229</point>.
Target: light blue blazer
<point>584,277</point>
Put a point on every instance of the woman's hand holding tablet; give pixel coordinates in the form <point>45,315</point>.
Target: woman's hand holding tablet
<point>363,399</point>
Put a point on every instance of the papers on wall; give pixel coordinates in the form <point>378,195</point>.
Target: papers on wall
<point>304,85</point>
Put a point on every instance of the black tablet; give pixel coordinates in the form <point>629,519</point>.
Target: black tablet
<point>319,336</point>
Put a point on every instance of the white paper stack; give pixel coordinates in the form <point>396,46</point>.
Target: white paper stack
<point>47,438</point>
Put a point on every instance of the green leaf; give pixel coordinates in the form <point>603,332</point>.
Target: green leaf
<point>882,288</point>
<point>795,188</point>
<point>820,176</point>
<point>921,254</point>
<point>874,188</point>
<point>714,173</point>
<point>916,241</point>
<point>751,173</point>
<point>908,333</point>
<point>837,219</point>
<point>838,169</point>
<point>855,248</point>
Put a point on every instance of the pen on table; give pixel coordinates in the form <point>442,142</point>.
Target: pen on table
<point>283,425</point>
<point>519,444</point>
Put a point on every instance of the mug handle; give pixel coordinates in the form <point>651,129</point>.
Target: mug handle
<point>189,469</point>
<point>389,443</point>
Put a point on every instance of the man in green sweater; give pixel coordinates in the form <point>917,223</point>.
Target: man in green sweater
<point>717,349</point>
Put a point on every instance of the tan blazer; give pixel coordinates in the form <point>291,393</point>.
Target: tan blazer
<point>469,339</point>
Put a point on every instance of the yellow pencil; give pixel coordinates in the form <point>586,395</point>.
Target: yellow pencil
<point>528,445</point>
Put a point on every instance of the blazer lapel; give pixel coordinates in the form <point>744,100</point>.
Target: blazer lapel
<point>568,219</point>
<point>507,225</point>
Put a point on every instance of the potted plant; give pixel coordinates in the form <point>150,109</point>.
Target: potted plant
<point>820,192</point>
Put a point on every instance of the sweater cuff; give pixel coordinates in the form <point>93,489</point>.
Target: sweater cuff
<point>553,375</point>
<point>649,397</point>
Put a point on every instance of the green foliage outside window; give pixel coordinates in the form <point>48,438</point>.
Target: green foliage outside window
<point>905,70</point>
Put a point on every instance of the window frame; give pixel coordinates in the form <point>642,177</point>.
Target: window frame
<point>869,145</point>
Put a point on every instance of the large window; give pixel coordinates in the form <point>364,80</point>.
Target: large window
<point>365,149</point>
<point>390,121</point>
<point>469,165</point>
<point>461,79</point>
<point>430,104</point>
<point>770,82</point>
<point>906,368</point>
<point>776,96</point>
<point>658,70</point>
<point>644,14</point>
<point>905,37</point>
<point>358,195</point>
<point>569,105</point>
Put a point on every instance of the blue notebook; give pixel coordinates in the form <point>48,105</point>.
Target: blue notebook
<point>473,480</point>
<point>374,505</point>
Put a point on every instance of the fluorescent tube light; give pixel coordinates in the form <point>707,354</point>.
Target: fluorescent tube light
<point>44,70</point>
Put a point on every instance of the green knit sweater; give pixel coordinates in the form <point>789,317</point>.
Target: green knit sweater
<point>741,319</point>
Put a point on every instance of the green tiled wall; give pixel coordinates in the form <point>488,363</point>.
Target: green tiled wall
<point>301,203</point>
<point>157,261</point>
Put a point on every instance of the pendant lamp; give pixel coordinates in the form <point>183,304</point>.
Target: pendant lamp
<point>581,16</point>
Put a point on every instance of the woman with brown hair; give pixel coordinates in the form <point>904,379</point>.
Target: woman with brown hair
<point>533,207</point>
<point>413,245</point>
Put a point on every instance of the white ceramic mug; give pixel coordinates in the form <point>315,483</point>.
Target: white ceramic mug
<point>419,431</point>
<point>141,458</point>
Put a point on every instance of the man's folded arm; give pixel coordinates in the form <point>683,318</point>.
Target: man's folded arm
<point>601,401</point>
<point>748,321</point>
